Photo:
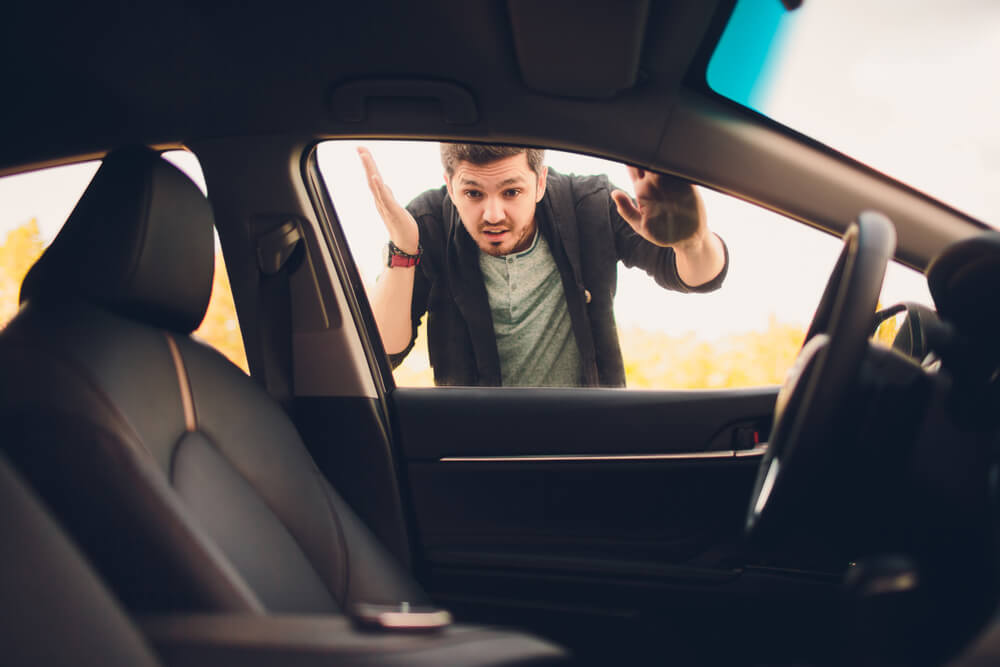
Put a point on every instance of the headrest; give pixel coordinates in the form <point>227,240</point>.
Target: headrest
<point>964,280</point>
<point>138,243</point>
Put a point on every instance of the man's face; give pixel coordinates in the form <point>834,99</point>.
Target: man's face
<point>496,202</point>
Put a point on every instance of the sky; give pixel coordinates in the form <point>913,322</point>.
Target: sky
<point>906,86</point>
<point>49,195</point>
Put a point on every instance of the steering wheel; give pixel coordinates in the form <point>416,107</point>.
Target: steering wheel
<point>800,450</point>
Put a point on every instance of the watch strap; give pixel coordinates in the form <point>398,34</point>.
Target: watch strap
<point>398,258</point>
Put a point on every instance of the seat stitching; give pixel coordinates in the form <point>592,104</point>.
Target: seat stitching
<point>154,476</point>
<point>184,385</point>
<point>346,583</point>
<point>187,393</point>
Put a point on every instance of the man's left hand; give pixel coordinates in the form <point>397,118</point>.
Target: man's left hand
<point>668,212</point>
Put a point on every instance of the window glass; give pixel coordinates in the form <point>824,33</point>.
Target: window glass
<point>743,335</point>
<point>36,204</point>
<point>906,86</point>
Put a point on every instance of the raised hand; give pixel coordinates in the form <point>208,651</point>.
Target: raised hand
<point>399,223</point>
<point>668,212</point>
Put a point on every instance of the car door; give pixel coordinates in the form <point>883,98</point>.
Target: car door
<point>610,508</point>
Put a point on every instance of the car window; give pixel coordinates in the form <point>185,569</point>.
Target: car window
<point>36,204</point>
<point>902,85</point>
<point>745,334</point>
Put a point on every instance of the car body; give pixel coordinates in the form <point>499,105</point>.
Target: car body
<point>611,521</point>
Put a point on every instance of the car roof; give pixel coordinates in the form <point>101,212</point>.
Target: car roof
<point>93,75</point>
<point>622,80</point>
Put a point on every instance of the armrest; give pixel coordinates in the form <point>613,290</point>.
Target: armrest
<point>192,640</point>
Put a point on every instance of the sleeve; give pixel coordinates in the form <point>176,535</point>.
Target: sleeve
<point>657,261</point>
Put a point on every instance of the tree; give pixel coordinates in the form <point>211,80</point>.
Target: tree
<point>21,248</point>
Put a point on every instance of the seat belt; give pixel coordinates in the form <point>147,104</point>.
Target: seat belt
<point>275,249</point>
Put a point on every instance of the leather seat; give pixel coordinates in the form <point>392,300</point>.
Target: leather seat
<point>55,610</point>
<point>188,487</point>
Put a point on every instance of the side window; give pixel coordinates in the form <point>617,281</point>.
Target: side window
<point>36,204</point>
<point>744,334</point>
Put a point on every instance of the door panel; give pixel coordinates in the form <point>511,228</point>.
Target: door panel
<point>508,513</point>
<point>599,516</point>
<point>600,479</point>
<point>448,422</point>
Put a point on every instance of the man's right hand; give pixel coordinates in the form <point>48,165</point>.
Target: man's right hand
<point>399,223</point>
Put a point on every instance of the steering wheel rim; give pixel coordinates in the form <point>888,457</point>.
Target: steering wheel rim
<point>820,378</point>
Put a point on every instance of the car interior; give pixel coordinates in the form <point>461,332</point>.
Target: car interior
<point>165,505</point>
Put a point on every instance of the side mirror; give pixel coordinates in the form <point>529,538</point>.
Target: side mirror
<point>914,335</point>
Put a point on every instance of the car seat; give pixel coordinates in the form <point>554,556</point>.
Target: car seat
<point>55,610</point>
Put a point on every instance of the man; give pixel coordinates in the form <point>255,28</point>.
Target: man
<point>517,266</point>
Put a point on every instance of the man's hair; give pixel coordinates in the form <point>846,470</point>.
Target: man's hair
<point>478,154</point>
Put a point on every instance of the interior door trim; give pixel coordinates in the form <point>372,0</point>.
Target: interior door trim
<point>567,458</point>
<point>595,422</point>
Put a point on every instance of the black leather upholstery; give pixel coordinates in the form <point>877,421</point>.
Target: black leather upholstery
<point>138,243</point>
<point>55,610</point>
<point>186,484</point>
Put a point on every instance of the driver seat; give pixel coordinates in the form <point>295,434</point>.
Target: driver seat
<point>185,483</point>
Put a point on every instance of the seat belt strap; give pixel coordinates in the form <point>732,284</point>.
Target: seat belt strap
<point>275,248</point>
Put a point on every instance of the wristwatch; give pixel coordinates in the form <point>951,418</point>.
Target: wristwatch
<point>395,257</point>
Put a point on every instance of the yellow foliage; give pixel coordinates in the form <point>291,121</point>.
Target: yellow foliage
<point>19,251</point>
<point>221,328</point>
<point>887,330</point>
<point>655,360</point>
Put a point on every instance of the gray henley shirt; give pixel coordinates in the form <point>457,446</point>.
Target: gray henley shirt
<point>530,319</point>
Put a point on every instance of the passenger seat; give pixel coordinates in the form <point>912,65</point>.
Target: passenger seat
<point>55,610</point>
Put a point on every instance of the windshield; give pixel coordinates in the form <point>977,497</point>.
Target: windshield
<point>905,86</point>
